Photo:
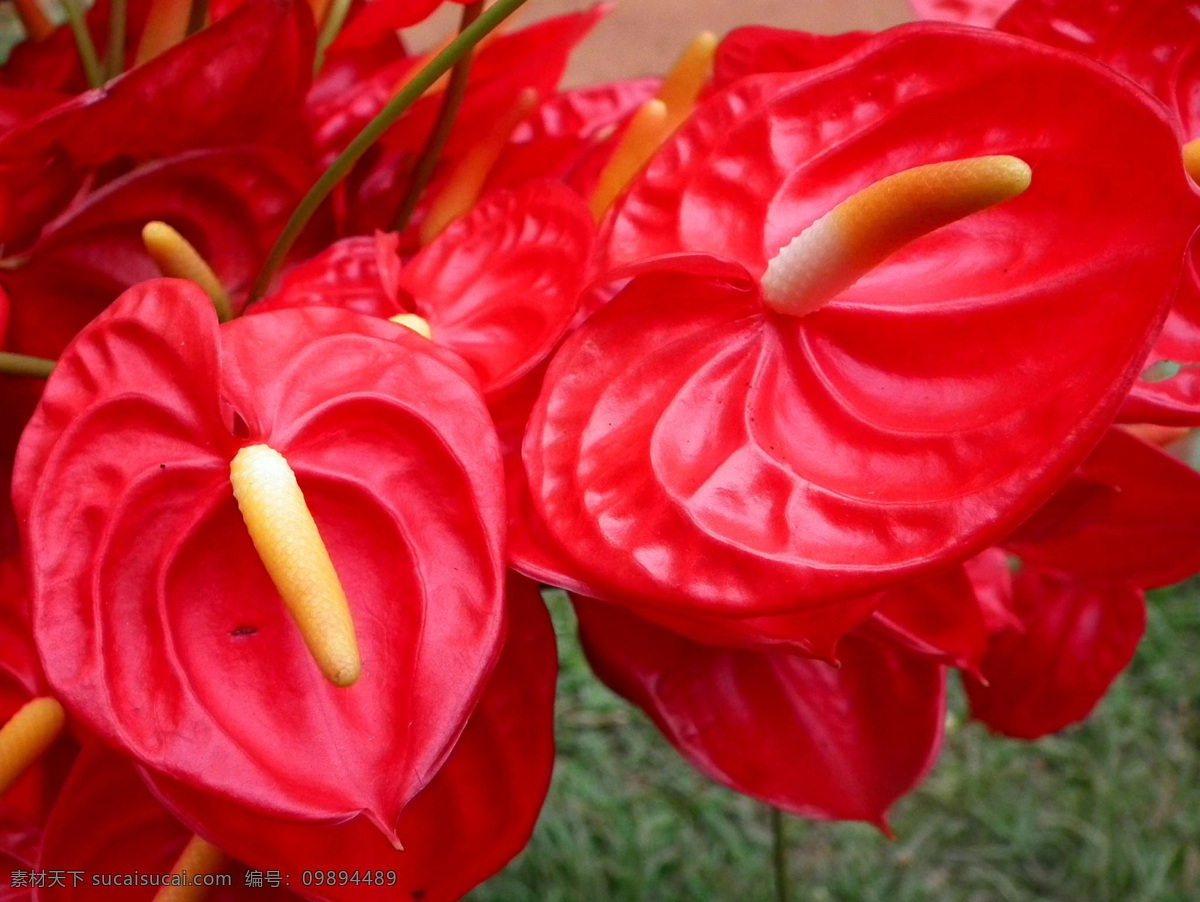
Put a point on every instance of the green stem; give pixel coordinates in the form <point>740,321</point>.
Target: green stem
<point>83,43</point>
<point>198,16</point>
<point>405,97</point>
<point>21,365</point>
<point>452,100</point>
<point>115,52</point>
<point>329,30</point>
<point>779,854</point>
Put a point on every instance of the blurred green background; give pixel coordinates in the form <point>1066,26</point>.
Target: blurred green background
<point>1108,810</point>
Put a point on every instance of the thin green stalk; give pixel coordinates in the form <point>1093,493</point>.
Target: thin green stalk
<point>22,365</point>
<point>83,43</point>
<point>452,100</point>
<point>198,16</point>
<point>779,854</point>
<point>329,30</point>
<point>405,97</point>
<point>115,52</point>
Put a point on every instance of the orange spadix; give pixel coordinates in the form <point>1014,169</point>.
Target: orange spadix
<point>26,737</point>
<point>177,259</point>
<point>1191,159</point>
<point>198,857</point>
<point>36,23</point>
<point>290,547</point>
<point>166,26</point>
<point>655,121</point>
<point>868,227</point>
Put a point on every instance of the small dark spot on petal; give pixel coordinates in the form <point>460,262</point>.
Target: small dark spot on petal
<point>244,631</point>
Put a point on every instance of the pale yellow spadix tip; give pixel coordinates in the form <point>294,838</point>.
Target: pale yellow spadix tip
<point>868,227</point>
<point>1191,159</point>
<point>682,86</point>
<point>26,737</point>
<point>177,259</point>
<point>198,857</point>
<point>646,132</point>
<point>285,536</point>
<point>412,321</point>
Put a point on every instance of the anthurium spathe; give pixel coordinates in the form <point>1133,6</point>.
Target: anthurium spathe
<point>824,742</point>
<point>229,202</point>
<point>242,82</point>
<point>1129,514</point>
<point>710,442</point>
<point>108,828</point>
<point>184,626</point>
<point>1153,43</point>
<point>475,815</point>
<point>499,287</point>
<point>1074,637</point>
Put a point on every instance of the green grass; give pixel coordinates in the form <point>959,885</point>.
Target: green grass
<point>1109,810</point>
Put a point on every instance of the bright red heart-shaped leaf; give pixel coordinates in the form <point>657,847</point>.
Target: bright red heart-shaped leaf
<point>694,452</point>
<point>145,572</point>
<point>107,828</point>
<point>1077,637</point>
<point>230,204</point>
<point>471,819</point>
<point>1130,513</point>
<point>823,742</point>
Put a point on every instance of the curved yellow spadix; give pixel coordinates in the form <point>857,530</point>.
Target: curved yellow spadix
<point>286,539</point>
<point>177,259</point>
<point>682,86</point>
<point>26,737</point>
<point>418,324</point>
<point>643,136</point>
<point>198,857</point>
<point>866,228</point>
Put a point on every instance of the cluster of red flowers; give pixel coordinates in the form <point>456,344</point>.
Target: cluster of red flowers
<point>815,369</point>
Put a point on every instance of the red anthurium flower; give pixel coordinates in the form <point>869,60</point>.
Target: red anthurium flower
<point>571,135</point>
<point>1152,42</point>
<point>1076,636</point>
<point>823,742</point>
<point>107,827</point>
<point>242,81</point>
<point>967,12</point>
<point>991,578</point>
<point>229,203</point>
<point>1130,513</point>
<point>702,446</point>
<point>474,816</point>
<point>156,594</point>
<point>20,104</point>
<point>499,287</point>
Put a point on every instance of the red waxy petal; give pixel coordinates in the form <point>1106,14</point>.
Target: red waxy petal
<point>500,286</point>
<point>1131,513</point>
<point>823,742</point>
<point>693,452</point>
<point>145,571</point>
<point>474,816</point>
<point>1077,638</point>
